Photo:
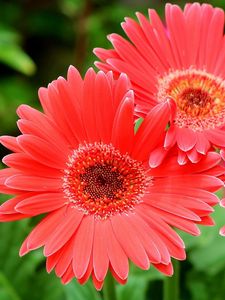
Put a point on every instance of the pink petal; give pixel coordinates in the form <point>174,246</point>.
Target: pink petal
<point>156,238</point>
<point>157,156</point>
<point>24,248</point>
<point>40,203</point>
<point>207,220</point>
<point>98,284</point>
<point>87,274</point>
<point>118,259</point>
<point>222,231</point>
<point>150,42</point>
<point>104,111</point>
<point>170,138</point>
<point>8,207</point>
<point>186,194</point>
<point>83,246</point>
<point>135,75</point>
<point>193,31</point>
<point>147,42</point>
<point>42,151</point>
<point>59,111</point>
<point>182,158</point>
<point>202,145</point>
<point>65,259</point>
<point>207,12</point>
<point>159,226</point>
<point>26,164</point>
<point>123,127</point>
<point>177,33</point>
<point>118,279</point>
<point>4,175</point>
<point>222,202</point>
<point>216,137</point>
<point>68,275</point>
<point>162,36</point>
<point>10,142</point>
<point>178,222</point>
<point>170,167</point>
<point>63,231</point>
<point>194,156</point>
<point>165,269</point>
<point>25,112</point>
<point>144,235</point>
<point>146,139</point>
<point>128,52</point>
<point>33,183</point>
<point>174,204</point>
<point>40,234</point>
<point>120,90</point>
<point>186,139</point>
<point>88,106</point>
<point>44,99</point>
<point>100,256</point>
<point>214,38</point>
<point>128,239</point>
<point>52,260</point>
<point>195,181</point>
<point>104,54</point>
<point>12,217</point>
<point>47,133</point>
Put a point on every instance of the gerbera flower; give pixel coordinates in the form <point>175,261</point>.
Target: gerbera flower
<point>80,163</point>
<point>183,60</point>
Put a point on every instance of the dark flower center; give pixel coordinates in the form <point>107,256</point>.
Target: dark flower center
<point>195,102</point>
<point>101,181</point>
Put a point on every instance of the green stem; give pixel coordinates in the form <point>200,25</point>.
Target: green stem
<point>109,288</point>
<point>171,284</point>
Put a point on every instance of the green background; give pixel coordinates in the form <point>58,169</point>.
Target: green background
<point>38,41</point>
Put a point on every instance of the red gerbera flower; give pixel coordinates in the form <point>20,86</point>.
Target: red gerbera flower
<point>81,163</point>
<point>183,60</point>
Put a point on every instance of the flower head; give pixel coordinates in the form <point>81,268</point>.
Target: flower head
<point>183,60</point>
<point>80,163</point>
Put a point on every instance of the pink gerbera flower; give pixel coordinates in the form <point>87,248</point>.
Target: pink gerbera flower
<point>80,163</point>
<point>183,60</point>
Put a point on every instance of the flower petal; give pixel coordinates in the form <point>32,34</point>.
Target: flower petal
<point>131,244</point>
<point>83,246</point>
<point>40,203</point>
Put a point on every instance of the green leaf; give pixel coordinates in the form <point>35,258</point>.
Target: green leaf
<point>13,56</point>
<point>76,291</point>
<point>138,124</point>
<point>9,291</point>
<point>208,254</point>
<point>205,287</point>
<point>138,282</point>
<point>13,92</point>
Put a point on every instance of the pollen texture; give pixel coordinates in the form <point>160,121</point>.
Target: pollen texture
<point>100,180</point>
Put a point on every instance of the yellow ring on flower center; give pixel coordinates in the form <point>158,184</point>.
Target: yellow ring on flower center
<point>200,98</point>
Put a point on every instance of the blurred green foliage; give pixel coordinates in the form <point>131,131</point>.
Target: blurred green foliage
<point>38,41</point>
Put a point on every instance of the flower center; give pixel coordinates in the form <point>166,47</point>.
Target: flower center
<point>199,97</point>
<point>101,181</point>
